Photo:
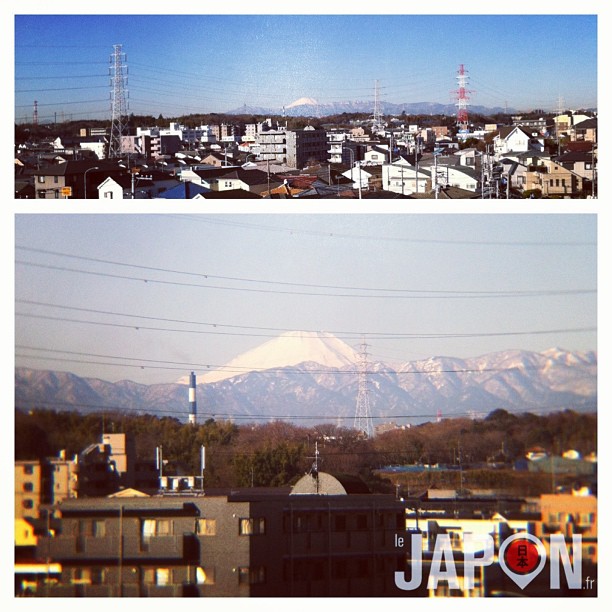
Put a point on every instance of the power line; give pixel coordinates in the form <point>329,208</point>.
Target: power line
<point>343,334</point>
<point>324,234</point>
<point>172,365</point>
<point>406,293</point>
<point>281,417</point>
<point>424,293</point>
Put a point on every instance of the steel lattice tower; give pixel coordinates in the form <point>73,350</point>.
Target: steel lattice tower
<point>118,83</point>
<point>35,113</point>
<point>462,95</point>
<point>377,116</point>
<point>363,418</point>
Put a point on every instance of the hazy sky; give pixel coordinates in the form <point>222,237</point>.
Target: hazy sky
<point>181,64</point>
<point>170,293</point>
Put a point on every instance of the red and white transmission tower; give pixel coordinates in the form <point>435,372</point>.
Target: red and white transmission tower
<point>462,97</point>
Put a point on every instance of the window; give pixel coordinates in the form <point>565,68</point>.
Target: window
<point>340,523</point>
<point>156,527</point>
<point>205,575</point>
<point>252,575</point>
<point>28,504</point>
<point>159,576</point>
<point>206,527</point>
<point>28,469</point>
<point>98,575</point>
<point>362,521</point>
<point>42,179</point>
<point>587,518</point>
<point>56,179</point>
<point>28,486</point>
<point>82,575</point>
<point>252,526</point>
<point>98,528</point>
<point>108,195</point>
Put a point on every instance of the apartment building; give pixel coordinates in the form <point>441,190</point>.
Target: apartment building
<point>235,543</point>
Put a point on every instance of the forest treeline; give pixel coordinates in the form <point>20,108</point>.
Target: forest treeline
<point>278,453</point>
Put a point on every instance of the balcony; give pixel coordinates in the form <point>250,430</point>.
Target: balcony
<point>136,548</point>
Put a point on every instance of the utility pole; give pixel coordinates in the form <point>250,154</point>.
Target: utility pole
<point>435,185</point>
<point>416,165</point>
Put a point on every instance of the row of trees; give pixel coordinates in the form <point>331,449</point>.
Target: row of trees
<point>278,453</point>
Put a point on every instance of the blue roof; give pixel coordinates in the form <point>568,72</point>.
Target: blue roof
<point>184,191</point>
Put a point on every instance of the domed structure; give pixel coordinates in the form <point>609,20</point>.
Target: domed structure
<point>321,483</point>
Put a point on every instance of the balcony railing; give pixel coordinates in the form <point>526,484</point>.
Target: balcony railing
<point>63,548</point>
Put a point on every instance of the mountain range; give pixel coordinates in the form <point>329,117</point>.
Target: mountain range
<point>309,107</point>
<point>311,378</point>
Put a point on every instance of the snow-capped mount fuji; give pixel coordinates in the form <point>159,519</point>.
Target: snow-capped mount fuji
<point>302,374</point>
<point>303,102</point>
<point>288,349</point>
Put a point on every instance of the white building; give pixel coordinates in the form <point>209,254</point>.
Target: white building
<point>402,177</point>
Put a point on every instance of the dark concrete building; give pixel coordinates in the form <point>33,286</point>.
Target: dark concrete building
<point>239,543</point>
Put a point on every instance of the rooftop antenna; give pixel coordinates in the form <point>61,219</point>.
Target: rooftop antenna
<point>314,468</point>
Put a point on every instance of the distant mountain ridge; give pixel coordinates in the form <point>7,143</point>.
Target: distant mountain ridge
<point>308,107</point>
<point>414,392</point>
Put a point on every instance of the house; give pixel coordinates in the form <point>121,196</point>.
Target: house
<point>136,186</point>
<point>51,181</point>
<point>185,190</point>
<point>449,172</point>
<point>255,181</point>
<point>359,177</point>
<point>585,131</point>
<point>580,162</point>
<point>403,178</point>
<point>376,156</point>
<point>514,139</point>
<point>554,180</point>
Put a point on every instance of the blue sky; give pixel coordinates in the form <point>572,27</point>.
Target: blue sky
<point>181,64</point>
<point>214,286</point>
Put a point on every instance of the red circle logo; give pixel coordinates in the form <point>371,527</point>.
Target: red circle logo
<point>522,556</point>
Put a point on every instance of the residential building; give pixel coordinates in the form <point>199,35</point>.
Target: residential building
<point>554,180</point>
<point>330,539</point>
<point>513,139</point>
<point>376,156</point>
<point>569,514</point>
<point>30,487</point>
<point>306,146</point>
<point>582,163</point>
<point>50,182</point>
<point>272,146</point>
<point>585,131</point>
<point>136,185</point>
<point>404,178</point>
